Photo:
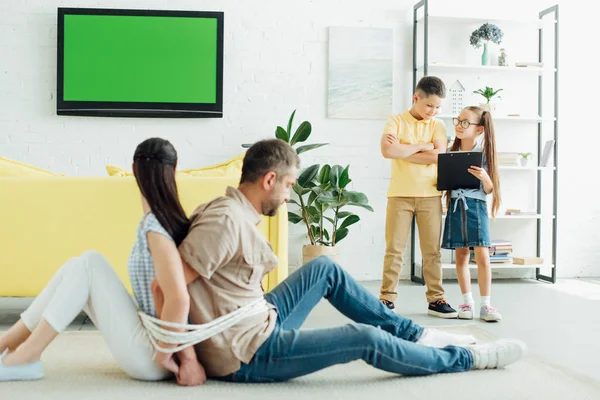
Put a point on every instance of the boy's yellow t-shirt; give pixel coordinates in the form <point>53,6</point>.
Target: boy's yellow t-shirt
<point>411,179</point>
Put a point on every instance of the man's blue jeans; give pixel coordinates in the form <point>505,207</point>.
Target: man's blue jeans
<point>380,337</point>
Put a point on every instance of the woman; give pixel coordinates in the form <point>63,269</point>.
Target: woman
<point>89,283</point>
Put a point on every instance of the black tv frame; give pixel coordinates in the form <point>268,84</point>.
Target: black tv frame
<point>138,109</point>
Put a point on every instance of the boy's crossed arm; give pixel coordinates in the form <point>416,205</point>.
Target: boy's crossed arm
<point>423,153</point>
<point>393,149</point>
<point>430,156</point>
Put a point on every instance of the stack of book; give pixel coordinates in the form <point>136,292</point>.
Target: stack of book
<point>507,158</point>
<point>500,252</point>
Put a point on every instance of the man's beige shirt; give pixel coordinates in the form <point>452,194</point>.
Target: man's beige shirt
<point>231,255</point>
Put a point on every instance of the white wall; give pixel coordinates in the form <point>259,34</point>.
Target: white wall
<point>276,61</point>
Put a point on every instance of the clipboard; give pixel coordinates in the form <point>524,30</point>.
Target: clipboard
<point>452,170</point>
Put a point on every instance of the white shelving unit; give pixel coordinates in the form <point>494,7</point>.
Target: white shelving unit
<point>549,70</point>
<point>468,20</point>
<point>485,68</point>
<point>505,118</point>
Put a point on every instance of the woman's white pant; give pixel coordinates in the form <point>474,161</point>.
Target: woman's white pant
<point>89,283</point>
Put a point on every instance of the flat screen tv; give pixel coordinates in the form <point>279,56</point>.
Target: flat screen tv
<point>139,63</point>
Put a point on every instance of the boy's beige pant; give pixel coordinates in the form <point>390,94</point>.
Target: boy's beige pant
<point>399,215</point>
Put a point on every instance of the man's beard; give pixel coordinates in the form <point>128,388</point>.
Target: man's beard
<point>270,207</point>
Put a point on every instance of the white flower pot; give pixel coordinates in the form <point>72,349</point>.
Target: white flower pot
<point>489,107</point>
<point>524,162</point>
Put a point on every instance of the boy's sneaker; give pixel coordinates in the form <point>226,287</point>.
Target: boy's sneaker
<point>441,309</point>
<point>497,354</point>
<point>489,314</point>
<point>465,311</point>
<point>388,304</point>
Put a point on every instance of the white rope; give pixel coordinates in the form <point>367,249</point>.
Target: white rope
<point>196,333</point>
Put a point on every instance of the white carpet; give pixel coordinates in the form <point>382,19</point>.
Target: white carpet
<point>79,366</point>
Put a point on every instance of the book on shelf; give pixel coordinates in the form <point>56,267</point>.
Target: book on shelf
<point>500,252</point>
<point>529,64</point>
<point>528,260</point>
<point>507,158</point>
<point>512,211</point>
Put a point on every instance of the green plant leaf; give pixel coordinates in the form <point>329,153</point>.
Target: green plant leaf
<point>356,197</point>
<point>349,221</point>
<point>294,218</point>
<point>308,175</point>
<point>316,231</point>
<point>289,130</point>
<point>280,133</point>
<point>334,175</point>
<point>344,178</point>
<point>328,199</point>
<point>329,219</point>
<point>344,214</point>
<point>324,174</point>
<point>324,207</point>
<point>297,189</point>
<point>340,234</point>
<point>292,201</point>
<point>314,214</point>
<point>365,206</point>
<point>325,234</point>
<point>302,133</point>
<point>307,147</point>
<point>312,197</point>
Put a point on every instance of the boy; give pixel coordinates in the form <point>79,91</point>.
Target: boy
<point>413,140</point>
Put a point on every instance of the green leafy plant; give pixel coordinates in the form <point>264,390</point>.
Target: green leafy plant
<point>322,197</point>
<point>526,156</point>
<point>301,134</point>
<point>488,93</point>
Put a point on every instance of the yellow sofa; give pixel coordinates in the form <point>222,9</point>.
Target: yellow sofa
<point>46,220</point>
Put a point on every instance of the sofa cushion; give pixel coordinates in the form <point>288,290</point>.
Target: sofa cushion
<point>229,168</point>
<point>12,168</point>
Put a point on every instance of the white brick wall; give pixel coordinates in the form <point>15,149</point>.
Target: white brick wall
<point>275,61</point>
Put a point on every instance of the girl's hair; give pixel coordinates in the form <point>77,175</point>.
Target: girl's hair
<point>489,149</point>
<point>154,163</point>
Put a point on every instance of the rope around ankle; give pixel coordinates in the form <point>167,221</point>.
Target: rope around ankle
<point>196,333</point>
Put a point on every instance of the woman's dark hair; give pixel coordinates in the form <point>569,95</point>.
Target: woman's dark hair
<point>154,163</point>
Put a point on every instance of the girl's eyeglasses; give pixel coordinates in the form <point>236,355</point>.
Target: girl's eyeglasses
<point>464,123</point>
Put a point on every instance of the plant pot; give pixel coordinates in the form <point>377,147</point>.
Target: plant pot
<point>489,107</point>
<point>310,252</point>
<point>524,162</point>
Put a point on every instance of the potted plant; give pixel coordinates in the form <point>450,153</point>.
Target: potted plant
<point>525,157</point>
<point>301,134</point>
<point>488,93</point>
<point>323,196</point>
<point>486,33</point>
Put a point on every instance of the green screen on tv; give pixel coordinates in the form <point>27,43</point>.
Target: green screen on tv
<point>152,59</point>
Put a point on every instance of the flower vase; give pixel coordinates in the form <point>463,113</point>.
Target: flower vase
<point>485,57</point>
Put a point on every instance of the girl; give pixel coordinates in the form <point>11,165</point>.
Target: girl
<point>89,283</point>
<point>467,224</point>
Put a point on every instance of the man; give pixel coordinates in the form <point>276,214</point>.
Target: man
<point>226,258</point>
